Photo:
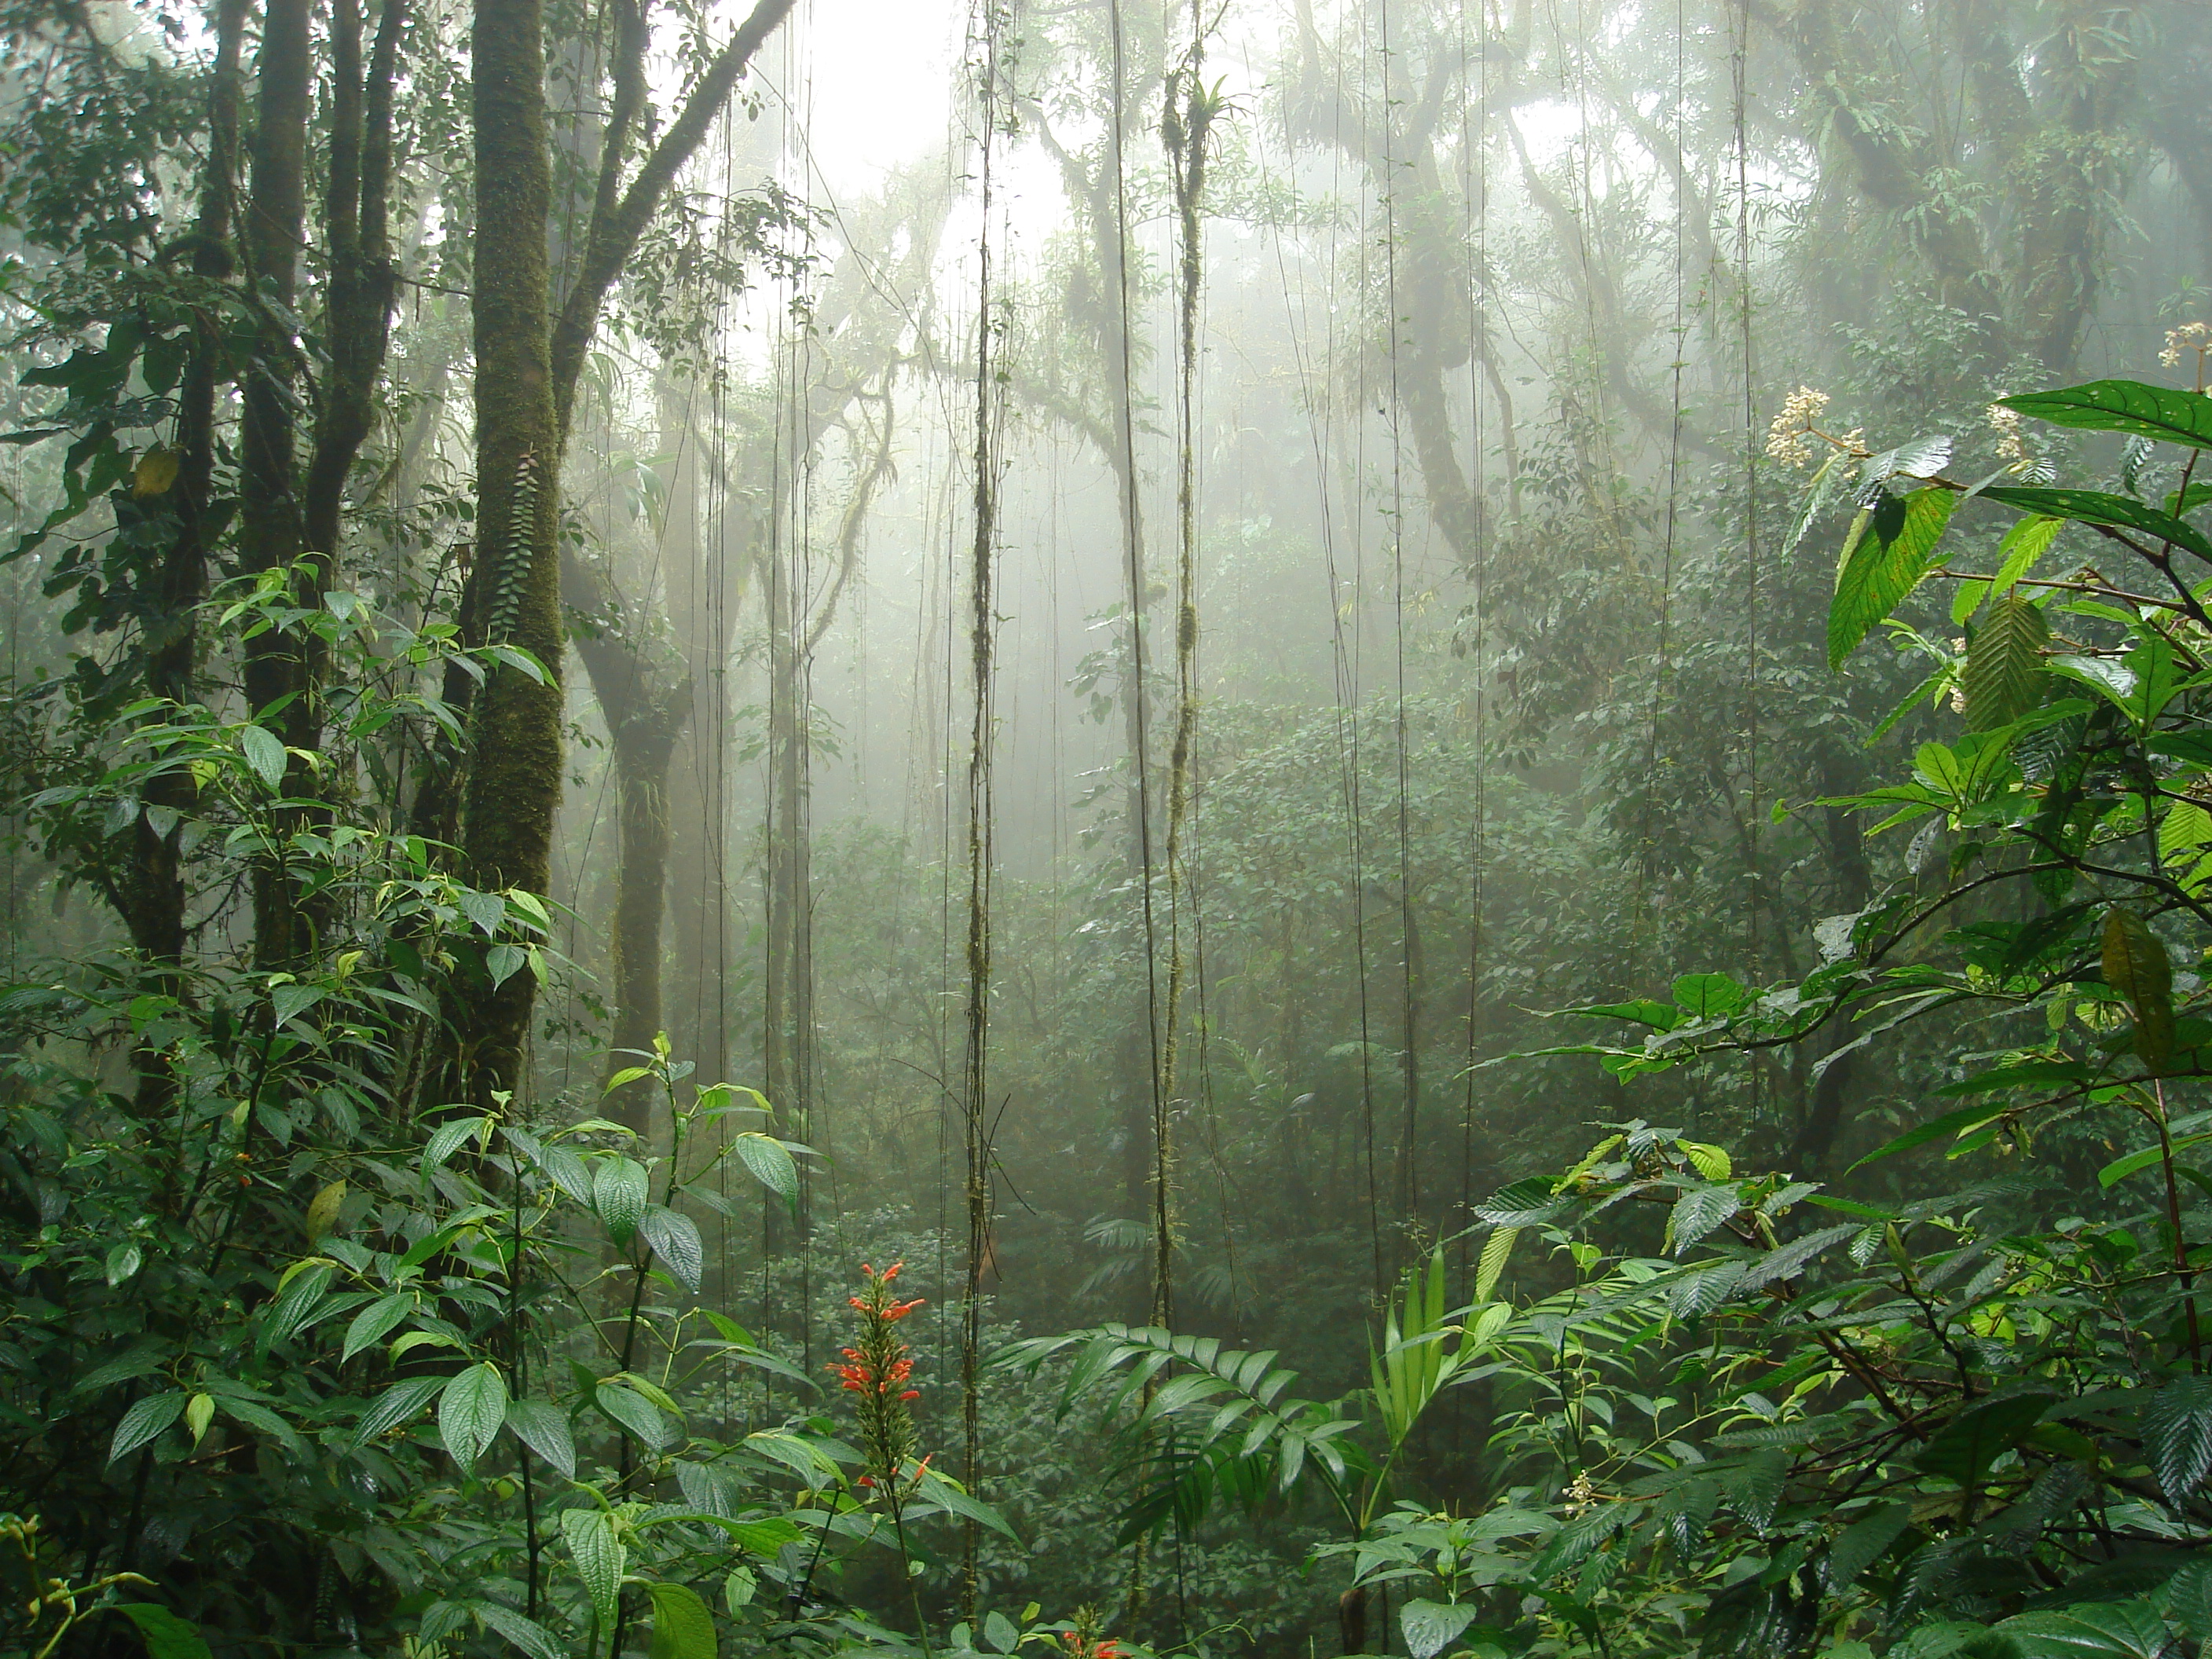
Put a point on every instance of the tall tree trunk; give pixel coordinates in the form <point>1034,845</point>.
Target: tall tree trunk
<point>269,506</point>
<point>514,784</point>
<point>157,890</point>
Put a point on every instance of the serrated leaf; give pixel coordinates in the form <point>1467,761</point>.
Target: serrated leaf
<point>600,1560</point>
<point>1696,1214</point>
<point>1888,553</point>
<point>2136,966</point>
<point>144,1421</point>
<point>532,1638</point>
<point>2004,678</point>
<point>2112,1630</point>
<point>2162,414</point>
<point>1864,1542</point>
<point>683,1628</point>
<point>264,754</point>
<point>448,1137</point>
<point>1432,1627</point>
<point>675,1239</point>
<point>1974,1438</point>
<point>471,1411</point>
<point>1713,1162</point>
<point>2177,1430</point>
<point>544,1430</point>
<point>1490,1267</point>
<point>770,1164</point>
<point>618,1193</point>
<point>375,1321</point>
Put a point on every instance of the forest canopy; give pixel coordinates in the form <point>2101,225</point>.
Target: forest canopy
<point>1079,828</point>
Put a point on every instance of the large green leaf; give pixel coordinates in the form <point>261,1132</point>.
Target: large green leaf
<point>600,1559</point>
<point>675,1239</point>
<point>375,1321</point>
<point>400,1403</point>
<point>2136,966</point>
<point>544,1430</point>
<point>1889,550</point>
<point>683,1628</point>
<point>472,1412</point>
<point>1432,1627</point>
<point>166,1636</point>
<point>2096,507</point>
<point>618,1193</point>
<point>145,1420</point>
<point>2004,675</point>
<point>2161,413</point>
<point>1964,1448</point>
<point>769,1162</point>
<point>2124,1630</point>
<point>635,1412</point>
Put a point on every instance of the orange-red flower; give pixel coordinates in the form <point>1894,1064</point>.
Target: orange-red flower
<point>876,1368</point>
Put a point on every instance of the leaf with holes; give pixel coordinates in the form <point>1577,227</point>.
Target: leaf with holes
<point>471,1412</point>
<point>2177,1431</point>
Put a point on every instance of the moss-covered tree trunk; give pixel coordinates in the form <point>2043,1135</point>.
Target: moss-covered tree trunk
<point>514,784</point>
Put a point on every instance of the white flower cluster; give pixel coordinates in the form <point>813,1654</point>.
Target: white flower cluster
<point>2012,443</point>
<point>1789,440</point>
<point>2189,337</point>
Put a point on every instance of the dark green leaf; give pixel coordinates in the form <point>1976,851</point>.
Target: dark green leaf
<point>1891,548</point>
<point>2176,1430</point>
<point>166,1636</point>
<point>2096,507</point>
<point>2161,413</point>
<point>145,1420</point>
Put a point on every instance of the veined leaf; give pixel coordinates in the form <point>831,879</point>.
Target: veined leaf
<point>2177,1430</point>
<point>1889,550</point>
<point>471,1412</point>
<point>683,1628</point>
<point>635,1412</point>
<point>402,1402</point>
<point>618,1193</point>
<point>2004,678</point>
<point>1432,1627</point>
<point>2136,966</point>
<point>544,1430</point>
<point>2115,512</point>
<point>770,1163</point>
<point>675,1239</point>
<point>600,1559</point>
<point>375,1321</point>
<point>1696,1214</point>
<point>2161,413</point>
<point>144,1420</point>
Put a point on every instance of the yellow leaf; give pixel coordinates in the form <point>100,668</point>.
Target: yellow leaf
<point>157,470</point>
<point>323,1214</point>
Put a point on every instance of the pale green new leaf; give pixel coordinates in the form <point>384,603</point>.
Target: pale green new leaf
<point>683,1628</point>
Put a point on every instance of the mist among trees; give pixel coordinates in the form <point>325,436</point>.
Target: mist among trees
<point>1074,827</point>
